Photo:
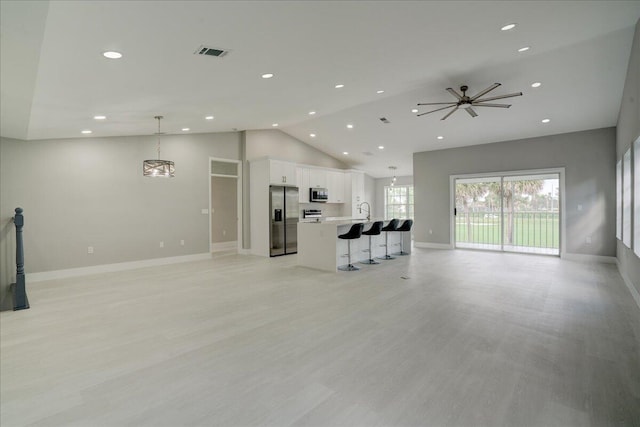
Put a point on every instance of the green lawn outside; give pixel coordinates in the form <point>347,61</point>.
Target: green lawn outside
<point>531,230</point>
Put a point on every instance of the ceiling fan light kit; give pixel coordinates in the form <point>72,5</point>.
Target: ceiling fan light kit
<point>467,103</point>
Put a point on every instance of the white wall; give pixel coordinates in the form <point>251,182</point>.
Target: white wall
<point>628,130</point>
<point>589,161</point>
<point>90,192</point>
<point>279,145</point>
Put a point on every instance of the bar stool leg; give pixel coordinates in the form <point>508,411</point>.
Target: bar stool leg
<point>402,252</point>
<point>386,247</point>
<point>370,260</point>
<point>349,267</point>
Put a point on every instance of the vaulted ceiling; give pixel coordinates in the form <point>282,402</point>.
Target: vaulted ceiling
<point>54,79</point>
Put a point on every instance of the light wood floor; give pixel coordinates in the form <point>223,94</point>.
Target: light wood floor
<point>439,338</point>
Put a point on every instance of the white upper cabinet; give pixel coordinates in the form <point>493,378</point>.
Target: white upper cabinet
<point>318,178</point>
<point>282,173</point>
<point>303,184</point>
<point>357,191</point>
<point>335,186</point>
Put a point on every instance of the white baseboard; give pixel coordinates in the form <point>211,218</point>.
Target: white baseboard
<point>427,245</point>
<point>223,246</point>
<point>627,281</point>
<point>588,258</point>
<point>109,268</point>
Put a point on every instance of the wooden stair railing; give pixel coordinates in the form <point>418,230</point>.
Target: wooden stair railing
<point>20,300</point>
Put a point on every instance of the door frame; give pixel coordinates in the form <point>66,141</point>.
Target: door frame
<point>559,171</point>
<point>238,179</point>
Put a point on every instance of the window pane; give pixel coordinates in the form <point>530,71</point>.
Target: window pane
<point>398,202</point>
<point>224,168</point>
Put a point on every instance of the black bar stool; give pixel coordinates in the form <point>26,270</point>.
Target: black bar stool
<point>392,226</point>
<point>373,231</point>
<point>354,233</point>
<point>406,226</point>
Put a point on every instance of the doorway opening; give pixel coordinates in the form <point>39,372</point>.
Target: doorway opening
<point>515,212</point>
<point>225,204</point>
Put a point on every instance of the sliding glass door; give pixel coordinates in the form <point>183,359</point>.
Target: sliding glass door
<point>513,213</point>
<point>478,216</point>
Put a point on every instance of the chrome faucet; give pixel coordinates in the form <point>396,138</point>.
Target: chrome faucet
<point>368,210</point>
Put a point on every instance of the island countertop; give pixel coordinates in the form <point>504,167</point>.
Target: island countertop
<point>319,246</point>
<point>337,221</point>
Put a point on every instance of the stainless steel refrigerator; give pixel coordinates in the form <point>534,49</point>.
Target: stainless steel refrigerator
<point>283,208</point>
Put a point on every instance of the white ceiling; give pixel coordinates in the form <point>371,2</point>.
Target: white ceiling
<point>54,78</point>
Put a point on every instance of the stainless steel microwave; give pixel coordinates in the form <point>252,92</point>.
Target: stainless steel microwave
<point>318,195</point>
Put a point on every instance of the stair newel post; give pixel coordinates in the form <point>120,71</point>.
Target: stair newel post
<point>20,300</point>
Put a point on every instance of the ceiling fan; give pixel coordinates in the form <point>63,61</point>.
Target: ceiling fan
<point>467,103</point>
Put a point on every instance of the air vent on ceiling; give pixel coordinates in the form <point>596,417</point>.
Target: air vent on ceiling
<point>384,120</point>
<point>211,51</point>
<point>367,153</point>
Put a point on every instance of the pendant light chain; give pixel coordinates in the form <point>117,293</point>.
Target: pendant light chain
<point>159,118</point>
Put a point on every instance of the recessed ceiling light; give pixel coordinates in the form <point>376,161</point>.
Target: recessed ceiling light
<point>380,91</point>
<point>524,49</point>
<point>536,84</point>
<point>86,131</point>
<point>267,75</point>
<point>415,110</point>
<point>185,129</point>
<point>312,135</point>
<point>546,120</point>
<point>508,27</point>
<point>209,118</point>
<point>275,125</point>
<point>340,86</point>
<point>349,126</point>
<point>440,137</point>
<point>99,117</point>
<point>346,153</point>
<point>311,113</point>
<point>112,54</point>
<point>380,147</point>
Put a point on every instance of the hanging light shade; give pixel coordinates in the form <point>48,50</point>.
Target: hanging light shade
<point>158,168</point>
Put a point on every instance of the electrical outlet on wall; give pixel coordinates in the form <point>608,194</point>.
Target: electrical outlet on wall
<point>90,249</point>
<point>162,244</point>
<point>181,242</point>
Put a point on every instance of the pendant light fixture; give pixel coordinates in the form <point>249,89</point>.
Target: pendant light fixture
<point>393,180</point>
<point>158,168</point>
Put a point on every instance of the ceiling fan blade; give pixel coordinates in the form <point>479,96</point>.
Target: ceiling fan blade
<point>482,104</point>
<point>439,103</point>
<point>450,113</point>
<point>487,90</point>
<point>471,112</point>
<point>500,97</point>
<point>454,93</point>
<point>433,111</point>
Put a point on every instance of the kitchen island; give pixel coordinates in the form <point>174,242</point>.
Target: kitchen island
<point>320,248</point>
